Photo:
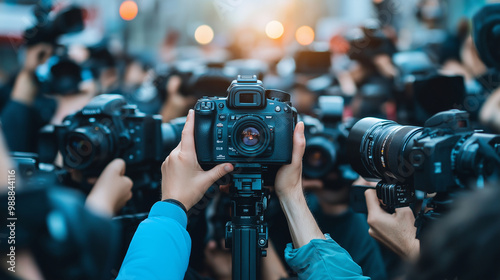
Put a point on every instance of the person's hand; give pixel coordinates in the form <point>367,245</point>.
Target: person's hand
<point>490,112</point>
<point>183,179</point>
<point>112,190</point>
<point>37,55</point>
<point>289,177</point>
<point>25,88</point>
<point>288,188</point>
<point>176,104</point>
<point>396,231</point>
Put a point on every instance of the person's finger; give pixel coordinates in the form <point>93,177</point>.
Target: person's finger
<point>117,165</point>
<point>218,172</point>
<point>299,143</point>
<point>404,212</point>
<point>128,183</point>
<point>372,203</point>
<point>187,140</point>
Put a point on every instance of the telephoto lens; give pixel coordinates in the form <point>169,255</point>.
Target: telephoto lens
<point>443,155</point>
<point>377,149</point>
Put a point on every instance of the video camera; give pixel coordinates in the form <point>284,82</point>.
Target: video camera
<point>50,25</point>
<point>444,156</point>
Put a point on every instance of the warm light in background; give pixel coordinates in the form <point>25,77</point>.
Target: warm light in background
<point>304,35</point>
<point>204,34</point>
<point>274,29</point>
<point>128,10</point>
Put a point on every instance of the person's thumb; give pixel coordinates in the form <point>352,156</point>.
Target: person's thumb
<point>117,166</point>
<point>218,172</point>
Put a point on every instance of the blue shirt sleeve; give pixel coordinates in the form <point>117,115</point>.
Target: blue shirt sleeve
<point>160,247</point>
<point>323,259</point>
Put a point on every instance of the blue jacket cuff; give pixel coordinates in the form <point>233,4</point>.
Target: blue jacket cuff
<point>170,210</point>
<point>322,259</point>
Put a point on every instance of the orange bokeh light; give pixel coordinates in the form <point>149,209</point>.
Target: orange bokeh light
<point>304,35</point>
<point>274,29</point>
<point>204,34</point>
<point>128,10</point>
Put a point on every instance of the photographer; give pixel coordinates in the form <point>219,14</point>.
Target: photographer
<point>22,117</point>
<point>161,244</point>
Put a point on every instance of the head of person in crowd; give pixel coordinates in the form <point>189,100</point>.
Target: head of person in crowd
<point>463,244</point>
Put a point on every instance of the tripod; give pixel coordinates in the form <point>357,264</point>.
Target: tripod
<point>246,233</point>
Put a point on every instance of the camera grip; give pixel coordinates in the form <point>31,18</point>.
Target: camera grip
<point>203,133</point>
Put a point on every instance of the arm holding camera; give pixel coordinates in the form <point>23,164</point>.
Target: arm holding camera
<point>19,119</point>
<point>161,244</point>
<point>396,231</point>
<point>314,255</point>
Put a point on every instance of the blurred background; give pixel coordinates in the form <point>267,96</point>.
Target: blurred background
<point>341,61</point>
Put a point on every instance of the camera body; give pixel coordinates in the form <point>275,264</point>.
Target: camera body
<point>325,137</point>
<point>444,155</point>
<point>250,125</point>
<point>50,27</point>
<point>109,128</point>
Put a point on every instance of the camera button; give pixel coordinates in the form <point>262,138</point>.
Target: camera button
<point>221,105</point>
<point>222,117</point>
<point>277,109</point>
<point>287,109</point>
<point>233,117</point>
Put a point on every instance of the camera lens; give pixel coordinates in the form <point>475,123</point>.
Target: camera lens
<point>320,157</point>
<point>250,136</point>
<point>88,145</point>
<point>379,148</point>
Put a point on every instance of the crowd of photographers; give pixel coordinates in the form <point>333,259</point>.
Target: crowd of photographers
<point>109,182</point>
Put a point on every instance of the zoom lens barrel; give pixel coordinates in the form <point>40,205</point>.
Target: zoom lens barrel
<point>378,148</point>
<point>250,136</point>
<point>87,146</point>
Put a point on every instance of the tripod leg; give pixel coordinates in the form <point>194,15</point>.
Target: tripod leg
<point>245,251</point>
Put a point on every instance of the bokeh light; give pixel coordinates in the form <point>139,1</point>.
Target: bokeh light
<point>274,29</point>
<point>204,34</point>
<point>304,35</point>
<point>128,10</point>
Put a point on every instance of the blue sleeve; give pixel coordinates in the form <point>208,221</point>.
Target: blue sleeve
<point>323,259</point>
<point>160,247</point>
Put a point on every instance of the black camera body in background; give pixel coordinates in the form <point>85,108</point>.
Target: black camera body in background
<point>250,125</point>
<point>50,27</point>
<point>325,155</point>
<point>444,156</point>
<point>109,128</point>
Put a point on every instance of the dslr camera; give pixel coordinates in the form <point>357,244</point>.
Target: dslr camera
<point>250,125</point>
<point>444,156</point>
<point>109,128</point>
